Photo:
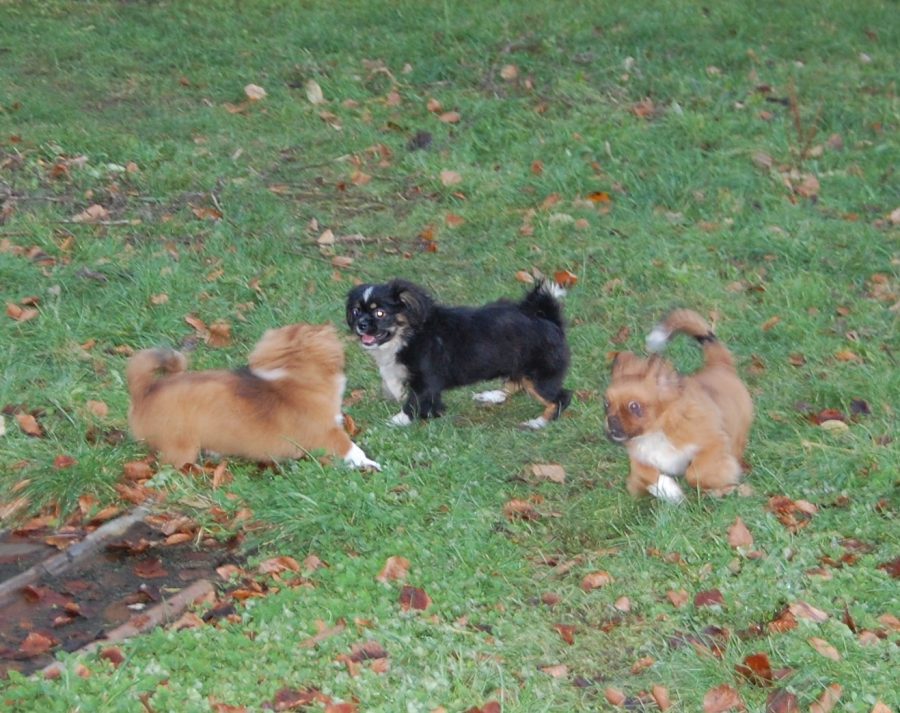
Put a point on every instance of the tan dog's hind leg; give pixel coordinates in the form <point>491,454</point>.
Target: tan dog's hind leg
<point>713,469</point>
<point>641,478</point>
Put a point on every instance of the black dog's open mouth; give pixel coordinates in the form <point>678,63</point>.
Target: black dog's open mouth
<point>374,340</point>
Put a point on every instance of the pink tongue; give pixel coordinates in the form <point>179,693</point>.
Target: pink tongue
<point>367,339</point>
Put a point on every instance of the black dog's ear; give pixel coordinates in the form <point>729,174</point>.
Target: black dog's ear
<point>354,297</point>
<point>416,301</point>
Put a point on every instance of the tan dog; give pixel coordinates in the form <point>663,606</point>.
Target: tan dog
<point>286,403</point>
<point>674,424</point>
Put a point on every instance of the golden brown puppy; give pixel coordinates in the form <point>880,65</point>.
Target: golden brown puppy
<point>674,424</point>
<point>285,403</point>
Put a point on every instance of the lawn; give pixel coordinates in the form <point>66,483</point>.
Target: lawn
<point>191,174</point>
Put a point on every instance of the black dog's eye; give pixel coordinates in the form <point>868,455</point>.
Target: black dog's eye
<point>635,408</point>
<point>380,313</point>
<point>354,312</point>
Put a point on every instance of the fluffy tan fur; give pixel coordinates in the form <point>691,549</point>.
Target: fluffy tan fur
<point>288,401</point>
<point>672,424</point>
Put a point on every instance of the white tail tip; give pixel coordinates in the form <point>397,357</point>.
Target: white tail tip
<point>658,338</point>
<point>554,289</point>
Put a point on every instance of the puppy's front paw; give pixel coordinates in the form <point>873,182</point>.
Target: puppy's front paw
<point>497,396</point>
<point>357,458</point>
<point>665,488</point>
<point>400,419</point>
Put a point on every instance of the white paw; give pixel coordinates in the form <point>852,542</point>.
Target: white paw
<point>357,458</point>
<point>535,424</point>
<point>667,489</point>
<point>400,419</point>
<point>497,396</point>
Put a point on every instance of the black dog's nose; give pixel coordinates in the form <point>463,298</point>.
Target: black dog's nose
<point>363,324</point>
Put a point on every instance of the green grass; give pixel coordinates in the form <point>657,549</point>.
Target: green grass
<point>693,220</point>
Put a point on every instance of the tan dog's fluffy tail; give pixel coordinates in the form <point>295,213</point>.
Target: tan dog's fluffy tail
<point>145,366</point>
<point>686,321</point>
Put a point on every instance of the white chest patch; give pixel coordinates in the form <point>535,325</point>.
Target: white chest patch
<point>654,449</point>
<point>393,374</point>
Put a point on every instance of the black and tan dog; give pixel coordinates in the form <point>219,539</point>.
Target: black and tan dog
<point>423,348</point>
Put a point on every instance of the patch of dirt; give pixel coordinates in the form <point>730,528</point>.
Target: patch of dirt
<point>129,574</point>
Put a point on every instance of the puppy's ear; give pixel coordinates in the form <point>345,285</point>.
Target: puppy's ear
<point>354,297</point>
<point>416,301</point>
<point>668,381</point>
<point>624,363</point>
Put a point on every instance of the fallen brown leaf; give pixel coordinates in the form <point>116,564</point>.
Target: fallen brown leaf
<point>722,698</point>
<point>739,535</point>
<point>92,214</point>
<point>804,610</point>
<point>36,644</point>
<point>782,701</point>
<point>827,701</point>
<point>29,425</point>
<point>520,510</point>
<point>395,568</point>
<point>559,670</point>
<point>824,648</point>
<point>709,598</point>
<point>414,598</point>
<point>566,632</point>
<point>756,669</point>
<point>549,471</point>
<point>596,580</point>
<point>678,598</point>
<point>254,92</point>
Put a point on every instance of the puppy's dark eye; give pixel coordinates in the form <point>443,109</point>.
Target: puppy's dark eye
<point>635,408</point>
<point>354,312</point>
<point>380,313</point>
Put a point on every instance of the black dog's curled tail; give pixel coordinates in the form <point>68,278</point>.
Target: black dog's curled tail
<point>544,301</point>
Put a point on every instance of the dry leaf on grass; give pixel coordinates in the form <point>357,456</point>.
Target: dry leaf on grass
<point>824,648</point>
<point>314,92</point>
<point>827,701</point>
<point>549,471</point>
<point>395,568</point>
<point>92,214</point>
<point>661,697</point>
<point>254,92</point>
<point>29,425</point>
<point>739,535</point>
<point>722,698</point>
<point>520,510</point>
<point>678,598</point>
<point>414,598</point>
<point>804,610</point>
<point>782,701</point>
<point>596,580</point>
<point>556,670</point>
